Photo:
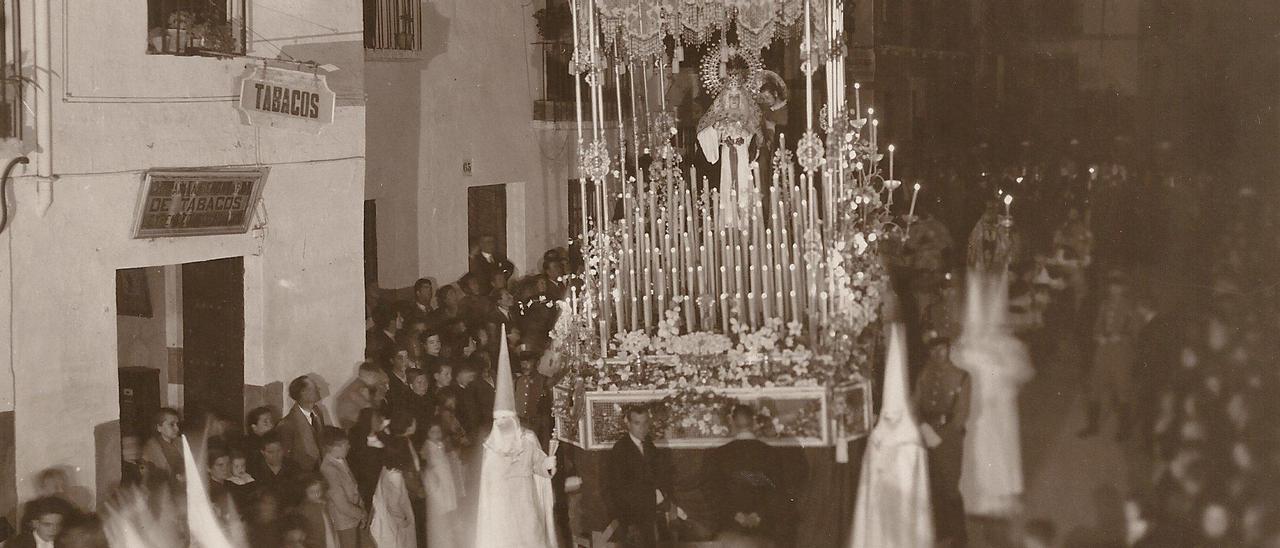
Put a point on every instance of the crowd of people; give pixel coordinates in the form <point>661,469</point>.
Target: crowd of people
<point>1190,380</point>
<point>1183,372</point>
<point>1208,379</point>
<point>398,463</point>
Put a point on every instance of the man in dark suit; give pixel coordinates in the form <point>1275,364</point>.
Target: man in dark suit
<point>636,482</point>
<point>475,400</point>
<point>486,262</point>
<point>424,290</point>
<point>745,482</point>
<point>301,430</point>
<point>553,272</point>
<point>273,473</point>
<point>44,520</point>
<point>380,339</point>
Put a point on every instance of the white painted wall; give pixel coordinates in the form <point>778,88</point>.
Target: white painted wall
<point>472,92</point>
<point>118,111</point>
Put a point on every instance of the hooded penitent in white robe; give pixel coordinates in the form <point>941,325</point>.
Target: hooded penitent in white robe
<point>515,495</point>
<point>893,508</point>
<point>998,366</point>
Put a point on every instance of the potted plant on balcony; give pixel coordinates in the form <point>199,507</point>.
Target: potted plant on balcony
<point>213,36</point>
<point>176,36</point>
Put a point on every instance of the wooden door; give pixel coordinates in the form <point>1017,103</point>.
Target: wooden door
<point>213,339</point>
<point>370,241</point>
<point>487,214</point>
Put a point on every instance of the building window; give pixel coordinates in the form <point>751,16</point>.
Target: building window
<point>14,76</point>
<point>196,27</point>
<point>393,25</point>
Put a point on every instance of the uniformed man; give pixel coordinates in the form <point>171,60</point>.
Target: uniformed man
<point>1109,381</point>
<point>942,402</point>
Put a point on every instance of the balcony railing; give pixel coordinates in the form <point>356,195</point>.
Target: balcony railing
<point>556,103</point>
<point>393,25</point>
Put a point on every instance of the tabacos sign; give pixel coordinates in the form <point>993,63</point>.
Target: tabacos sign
<point>287,99</point>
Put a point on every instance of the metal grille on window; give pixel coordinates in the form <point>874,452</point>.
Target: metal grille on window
<point>393,25</point>
<point>196,27</point>
<point>11,90</point>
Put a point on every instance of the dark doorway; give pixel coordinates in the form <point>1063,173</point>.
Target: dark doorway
<point>370,241</point>
<point>213,339</point>
<point>487,214</point>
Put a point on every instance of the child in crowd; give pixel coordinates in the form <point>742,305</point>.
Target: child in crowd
<point>393,521</point>
<point>443,482</point>
<point>345,506</point>
<point>293,533</point>
<point>163,451</point>
<point>239,481</point>
<point>315,512</point>
<point>367,452</point>
<point>264,527</point>
<point>447,415</point>
<point>218,467</point>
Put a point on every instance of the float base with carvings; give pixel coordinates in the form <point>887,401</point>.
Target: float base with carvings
<point>805,414</point>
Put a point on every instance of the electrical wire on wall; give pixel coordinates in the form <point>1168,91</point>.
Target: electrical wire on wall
<point>4,189</point>
<point>4,223</point>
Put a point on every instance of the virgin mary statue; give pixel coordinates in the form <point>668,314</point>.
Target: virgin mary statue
<point>515,476</point>
<point>725,133</point>
<point>998,365</point>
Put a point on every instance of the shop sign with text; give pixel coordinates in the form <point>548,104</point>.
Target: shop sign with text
<point>288,99</point>
<point>198,202</point>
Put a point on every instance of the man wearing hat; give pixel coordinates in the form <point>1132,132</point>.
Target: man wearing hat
<point>942,401</point>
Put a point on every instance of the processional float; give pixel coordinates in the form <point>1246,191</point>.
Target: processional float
<point>761,289</point>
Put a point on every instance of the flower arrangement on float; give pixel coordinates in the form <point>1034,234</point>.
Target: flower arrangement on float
<point>766,287</point>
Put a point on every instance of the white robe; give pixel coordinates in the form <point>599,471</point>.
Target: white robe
<point>515,494</point>
<point>441,480</point>
<point>737,185</point>
<point>893,508</point>
<point>991,474</point>
<point>393,524</point>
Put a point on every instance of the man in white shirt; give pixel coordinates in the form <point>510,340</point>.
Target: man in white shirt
<point>301,430</point>
<point>636,482</point>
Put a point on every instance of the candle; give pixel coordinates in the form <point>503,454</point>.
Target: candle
<point>891,147</point>
<point>1008,199</point>
<point>915,191</point>
<point>754,274</point>
<point>857,97</point>
<point>875,124</point>
<point>604,339</point>
<point>648,283</point>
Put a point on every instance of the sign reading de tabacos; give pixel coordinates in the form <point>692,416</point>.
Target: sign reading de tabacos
<point>198,202</point>
<point>289,99</point>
